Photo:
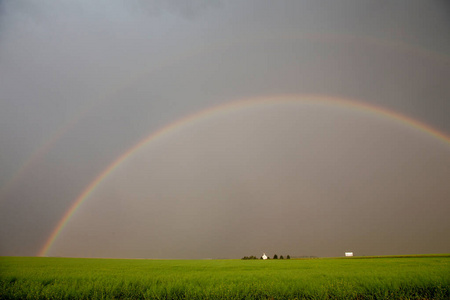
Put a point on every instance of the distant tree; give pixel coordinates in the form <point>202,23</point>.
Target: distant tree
<point>281,257</point>
<point>250,257</point>
<point>275,256</point>
<point>288,257</point>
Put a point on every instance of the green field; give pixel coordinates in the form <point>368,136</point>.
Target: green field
<point>411,277</point>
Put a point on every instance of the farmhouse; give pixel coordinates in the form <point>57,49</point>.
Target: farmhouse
<point>348,254</point>
<point>264,256</point>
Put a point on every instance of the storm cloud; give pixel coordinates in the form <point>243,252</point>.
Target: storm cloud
<point>82,82</point>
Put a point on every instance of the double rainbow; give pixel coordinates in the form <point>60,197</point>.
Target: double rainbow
<point>41,151</point>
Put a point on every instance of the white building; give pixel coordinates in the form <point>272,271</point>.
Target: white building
<point>348,254</point>
<point>264,256</point>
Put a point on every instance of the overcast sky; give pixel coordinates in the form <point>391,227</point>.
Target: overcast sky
<point>81,82</point>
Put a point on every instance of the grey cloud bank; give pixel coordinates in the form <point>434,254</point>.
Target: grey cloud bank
<point>305,181</point>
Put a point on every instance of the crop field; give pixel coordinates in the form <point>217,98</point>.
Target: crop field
<point>409,277</point>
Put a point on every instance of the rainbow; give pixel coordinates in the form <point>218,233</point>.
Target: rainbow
<point>41,151</point>
<point>226,108</point>
<point>46,146</point>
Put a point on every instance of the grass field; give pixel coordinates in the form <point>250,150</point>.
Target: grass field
<point>410,277</point>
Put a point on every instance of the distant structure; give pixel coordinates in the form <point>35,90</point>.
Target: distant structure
<point>264,256</point>
<point>348,254</point>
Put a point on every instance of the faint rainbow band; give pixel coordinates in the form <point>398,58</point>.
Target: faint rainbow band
<point>42,150</point>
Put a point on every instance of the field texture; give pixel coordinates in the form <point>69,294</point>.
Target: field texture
<point>350,278</point>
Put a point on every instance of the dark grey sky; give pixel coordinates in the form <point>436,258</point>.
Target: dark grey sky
<point>83,81</point>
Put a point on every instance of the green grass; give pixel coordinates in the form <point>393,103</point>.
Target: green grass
<point>411,277</point>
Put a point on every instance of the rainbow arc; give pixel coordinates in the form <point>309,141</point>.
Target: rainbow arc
<point>357,106</point>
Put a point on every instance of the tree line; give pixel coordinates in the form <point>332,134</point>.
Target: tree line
<point>274,257</point>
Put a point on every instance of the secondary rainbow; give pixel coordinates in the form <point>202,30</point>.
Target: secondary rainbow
<point>326,37</point>
<point>225,108</point>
